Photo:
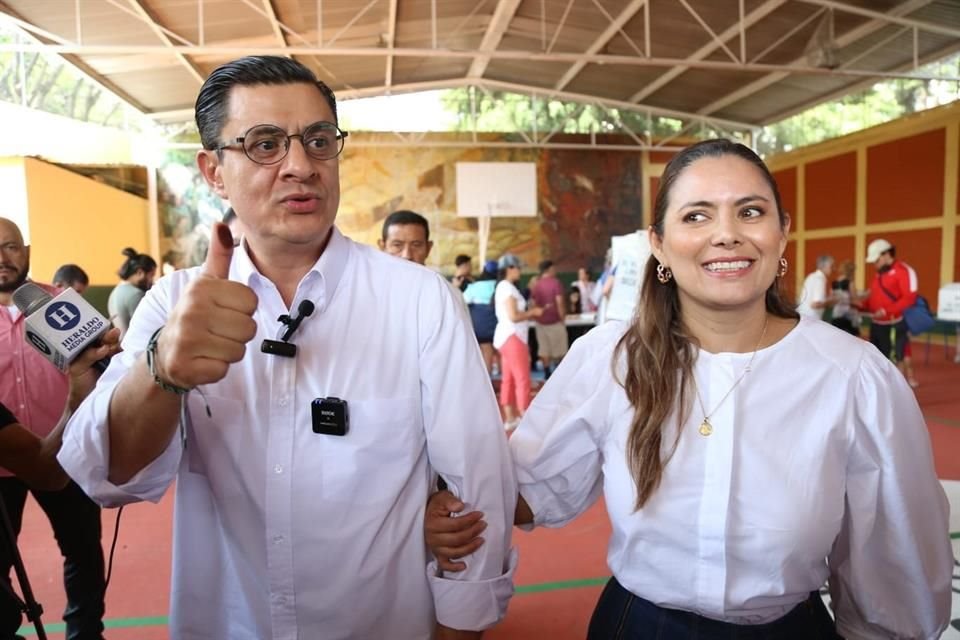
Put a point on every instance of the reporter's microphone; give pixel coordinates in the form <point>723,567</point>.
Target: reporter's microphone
<point>60,328</point>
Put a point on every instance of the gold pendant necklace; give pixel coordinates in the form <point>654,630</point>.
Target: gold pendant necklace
<point>706,427</point>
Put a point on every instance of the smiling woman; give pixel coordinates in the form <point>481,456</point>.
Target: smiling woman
<point>746,456</point>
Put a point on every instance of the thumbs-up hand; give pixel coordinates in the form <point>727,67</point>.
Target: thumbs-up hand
<point>210,325</point>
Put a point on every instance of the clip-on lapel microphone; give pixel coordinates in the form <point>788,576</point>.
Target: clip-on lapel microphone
<point>283,346</point>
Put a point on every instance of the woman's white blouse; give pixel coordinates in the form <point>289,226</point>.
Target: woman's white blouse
<point>505,326</point>
<point>819,466</point>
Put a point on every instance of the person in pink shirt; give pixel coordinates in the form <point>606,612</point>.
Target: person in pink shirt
<point>551,330</point>
<point>35,391</point>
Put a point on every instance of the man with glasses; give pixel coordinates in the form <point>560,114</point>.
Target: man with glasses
<point>304,448</point>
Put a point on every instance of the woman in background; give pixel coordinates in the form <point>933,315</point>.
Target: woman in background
<point>574,301</point>
<point>137,273</point>
<point>845,314</point>
<point>510,339</point>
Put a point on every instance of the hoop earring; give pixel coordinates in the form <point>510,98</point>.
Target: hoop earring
<point>782,271</point>
<point>664,275</point>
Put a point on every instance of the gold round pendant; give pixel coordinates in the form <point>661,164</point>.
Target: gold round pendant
<point>706,428</point>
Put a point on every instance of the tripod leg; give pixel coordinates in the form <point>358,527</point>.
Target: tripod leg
<point>29,605</point>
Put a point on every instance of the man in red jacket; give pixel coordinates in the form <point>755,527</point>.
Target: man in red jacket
<point>892,290</point>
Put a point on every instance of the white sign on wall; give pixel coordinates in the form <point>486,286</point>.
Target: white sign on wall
<point>496,189</point>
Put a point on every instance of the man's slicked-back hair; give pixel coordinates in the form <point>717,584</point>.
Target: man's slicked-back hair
<point>213,99</point>
<point>403,217</point>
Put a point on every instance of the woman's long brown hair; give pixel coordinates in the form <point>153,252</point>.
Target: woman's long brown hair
<point>656,346</point>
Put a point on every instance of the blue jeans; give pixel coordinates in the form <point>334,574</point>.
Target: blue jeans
<point>620,615</point>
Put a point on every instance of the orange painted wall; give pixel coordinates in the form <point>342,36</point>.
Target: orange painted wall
<point>841,248</point>
<point>661,156</point>
<point>891,181</point>
<point>76,219</point>
<point>921,250</point>
<point>789,280</point>
<point>905,177</point>
<point>956,257</point>
<point>654,189</point>
<point>787,184</point>
<point>830,192</point>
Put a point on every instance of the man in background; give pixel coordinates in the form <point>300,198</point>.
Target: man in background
<point>892,290</point>
<point>463,270</point>
<point>814,297</point>
<point>406,234</point>
<point>35,391</point>
<point>72,276</point>
<point>550,328</point>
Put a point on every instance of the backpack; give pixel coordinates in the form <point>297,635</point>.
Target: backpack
<point>479,298</point>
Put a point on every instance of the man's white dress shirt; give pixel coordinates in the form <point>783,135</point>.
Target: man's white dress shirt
<point>814,291</point>
<point>819,466</point>
<point>283,533</point>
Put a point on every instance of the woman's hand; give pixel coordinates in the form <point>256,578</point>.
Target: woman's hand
<point>451,536</point>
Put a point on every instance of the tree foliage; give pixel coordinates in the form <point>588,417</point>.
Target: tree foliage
<point>48,83</point>
<point>500,111</point>
<point>882,102</point>
<point>478,110</point>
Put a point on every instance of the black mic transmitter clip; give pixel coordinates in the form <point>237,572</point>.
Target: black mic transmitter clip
<point>283,347</point>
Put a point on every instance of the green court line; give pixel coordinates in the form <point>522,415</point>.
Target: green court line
<point>116,623</point>
<point>562,584</point>
<point>945,421</point>
<point>161,621</point>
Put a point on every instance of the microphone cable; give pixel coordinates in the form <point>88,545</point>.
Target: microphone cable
<point>113,547</point>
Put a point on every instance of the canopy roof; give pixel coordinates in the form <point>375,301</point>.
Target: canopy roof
<point>736,64</point>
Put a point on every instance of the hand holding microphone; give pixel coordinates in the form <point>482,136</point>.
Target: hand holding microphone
<point>84,372</point>
<point>210,325</point>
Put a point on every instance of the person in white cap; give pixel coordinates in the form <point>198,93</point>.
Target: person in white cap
<point>892,290</point>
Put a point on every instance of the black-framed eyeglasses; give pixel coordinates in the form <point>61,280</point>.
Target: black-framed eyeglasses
<point>269,144</point>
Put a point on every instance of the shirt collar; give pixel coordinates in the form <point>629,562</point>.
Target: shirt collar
<point>328,268</point>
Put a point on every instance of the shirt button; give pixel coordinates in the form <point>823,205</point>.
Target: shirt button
<point>277,539</point>
<point>283,401</point>
<point>278,468</point>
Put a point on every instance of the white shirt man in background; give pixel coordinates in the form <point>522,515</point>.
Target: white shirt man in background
<point>814,297</point>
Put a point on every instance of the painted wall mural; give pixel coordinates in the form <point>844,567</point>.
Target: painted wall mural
<point>585,197</point>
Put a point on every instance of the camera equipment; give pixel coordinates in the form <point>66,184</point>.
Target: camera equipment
<point>28,604</point>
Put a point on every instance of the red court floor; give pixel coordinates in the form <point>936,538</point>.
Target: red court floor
<point>558,581</point>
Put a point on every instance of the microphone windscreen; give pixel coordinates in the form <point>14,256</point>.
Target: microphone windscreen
<point>29,297</point>
<point>305,308</point>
